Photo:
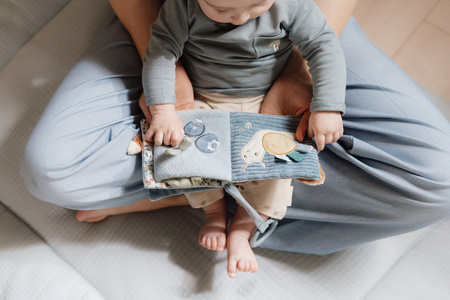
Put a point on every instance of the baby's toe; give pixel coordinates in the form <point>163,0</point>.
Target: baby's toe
<point>202,240</point>
<point>243,265</point>
<point>253,267</point>
<point>212,243</point>
<point>232,271</point>
<point>221,243</point>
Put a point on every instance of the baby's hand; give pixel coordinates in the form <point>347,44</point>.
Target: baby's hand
<point>165,127</point>
<point>326,127</point>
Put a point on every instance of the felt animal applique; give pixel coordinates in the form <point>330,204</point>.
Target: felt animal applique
<point>135,146</point>
<point>278,143</point>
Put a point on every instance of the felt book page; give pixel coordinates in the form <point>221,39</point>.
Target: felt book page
<point>222,147</point>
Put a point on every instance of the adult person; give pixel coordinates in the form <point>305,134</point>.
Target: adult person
<point>389,173</point>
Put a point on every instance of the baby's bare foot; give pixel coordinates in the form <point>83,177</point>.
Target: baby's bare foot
<point>212,235</point>
<point>240,255</point>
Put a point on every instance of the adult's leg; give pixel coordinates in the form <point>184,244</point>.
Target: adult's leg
<point>76,156</point>
<point>390,172</point>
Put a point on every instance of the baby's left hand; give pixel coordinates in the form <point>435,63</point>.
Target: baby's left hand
<point>165,127</point>
<point>326,127</point>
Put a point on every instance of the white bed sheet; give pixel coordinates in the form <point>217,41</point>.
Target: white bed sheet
<point>144,256</point>
<point>29,269</point>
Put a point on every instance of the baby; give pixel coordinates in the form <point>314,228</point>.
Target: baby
<point>233,51</point>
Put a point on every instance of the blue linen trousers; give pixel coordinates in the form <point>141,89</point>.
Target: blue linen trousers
<point>389,174</point>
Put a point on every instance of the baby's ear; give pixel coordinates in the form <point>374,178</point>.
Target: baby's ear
<point>313,182</point>
<point>135,146</point>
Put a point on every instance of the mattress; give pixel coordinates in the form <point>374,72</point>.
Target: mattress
<point>46,254</point>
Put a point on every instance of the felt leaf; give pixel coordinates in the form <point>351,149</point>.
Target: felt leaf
<point>185,143</point>
<point>173,151</point>
<point>296,156</point>
<point>303,148</point>
<point>283,157</point>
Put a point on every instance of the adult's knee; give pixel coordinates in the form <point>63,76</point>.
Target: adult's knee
<point>434,174</point>
<point>35,170</point>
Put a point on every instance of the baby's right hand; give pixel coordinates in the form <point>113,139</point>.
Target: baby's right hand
<point>326,127</point>
<point>165,127</point>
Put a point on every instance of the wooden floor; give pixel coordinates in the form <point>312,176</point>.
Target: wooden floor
<point>415,33</point>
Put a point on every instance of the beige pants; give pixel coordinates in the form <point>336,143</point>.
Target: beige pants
<point>268,197</point>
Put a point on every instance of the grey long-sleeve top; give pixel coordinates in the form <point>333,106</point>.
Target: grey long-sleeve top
<point>243,61</point>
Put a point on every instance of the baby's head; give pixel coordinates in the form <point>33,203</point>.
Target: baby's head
<point>236,12</point>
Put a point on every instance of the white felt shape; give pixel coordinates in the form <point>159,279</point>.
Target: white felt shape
<point>253,151</point>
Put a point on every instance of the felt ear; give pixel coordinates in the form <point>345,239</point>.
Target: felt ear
<point>314,182</point>
<point>135,146</point>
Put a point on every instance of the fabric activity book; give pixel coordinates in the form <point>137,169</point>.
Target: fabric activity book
<point>222,148</point>
<point>229,147</point>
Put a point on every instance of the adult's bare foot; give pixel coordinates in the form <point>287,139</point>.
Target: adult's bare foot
<point>140,206</point>
<point>213,234</point>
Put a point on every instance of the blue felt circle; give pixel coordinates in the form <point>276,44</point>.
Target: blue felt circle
<point>194,128</point>
<point>207,143</point>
